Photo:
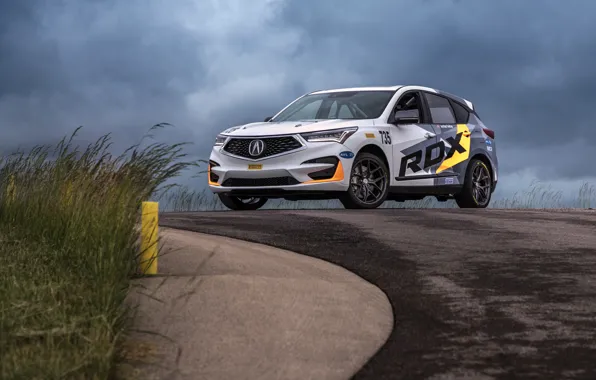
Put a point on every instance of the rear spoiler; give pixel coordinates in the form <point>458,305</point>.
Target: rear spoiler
<point>461,100</point>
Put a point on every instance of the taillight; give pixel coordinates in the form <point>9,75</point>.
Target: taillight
<point>489,132</point>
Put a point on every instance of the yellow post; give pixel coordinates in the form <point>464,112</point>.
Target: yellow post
<point>149,229</point>
<point>11,189</point>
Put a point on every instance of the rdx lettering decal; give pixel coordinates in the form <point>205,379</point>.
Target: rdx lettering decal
<point>459,152</point>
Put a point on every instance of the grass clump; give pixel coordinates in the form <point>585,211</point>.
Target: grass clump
<point>68,248</point>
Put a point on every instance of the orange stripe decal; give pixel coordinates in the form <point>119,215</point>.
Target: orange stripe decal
<point>209,177</point>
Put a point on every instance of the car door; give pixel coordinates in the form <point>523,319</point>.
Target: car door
<point>453,138</point>
<point>413,143</point>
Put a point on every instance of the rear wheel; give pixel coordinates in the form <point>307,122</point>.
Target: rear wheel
<point>477,189</point>
<point>242,203</point>
<point>369,183</point>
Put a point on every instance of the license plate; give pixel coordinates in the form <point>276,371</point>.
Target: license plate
<point>255,167</point>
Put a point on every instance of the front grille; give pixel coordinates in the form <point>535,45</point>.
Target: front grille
<point>253,182</point>
<point>273,146</point>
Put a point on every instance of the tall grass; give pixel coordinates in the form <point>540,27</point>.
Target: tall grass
<point>538,196</point>
<point>68,247</point>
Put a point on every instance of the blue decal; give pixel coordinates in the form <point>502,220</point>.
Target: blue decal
<point>488,142</point>
<point>346,154</point>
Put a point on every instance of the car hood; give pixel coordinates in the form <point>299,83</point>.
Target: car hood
<point>289,127</point>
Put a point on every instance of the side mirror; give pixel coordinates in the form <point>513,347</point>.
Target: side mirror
<point>407,120</point>
<point>268,119</point>
<point>405,117</point>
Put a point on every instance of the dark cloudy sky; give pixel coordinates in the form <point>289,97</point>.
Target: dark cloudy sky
<point>205,65</point>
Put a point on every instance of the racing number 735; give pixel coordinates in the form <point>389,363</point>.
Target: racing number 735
<point>385,137</point>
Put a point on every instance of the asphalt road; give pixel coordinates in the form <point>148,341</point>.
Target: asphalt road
<point>476,294</point>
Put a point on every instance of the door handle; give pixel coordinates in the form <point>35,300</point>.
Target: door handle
<point>429,135</point>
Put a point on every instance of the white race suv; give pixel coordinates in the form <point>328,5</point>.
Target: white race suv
<point>362,146</point>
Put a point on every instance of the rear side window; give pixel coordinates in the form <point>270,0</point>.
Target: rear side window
<point>440,109</point>
<point>461,114</point>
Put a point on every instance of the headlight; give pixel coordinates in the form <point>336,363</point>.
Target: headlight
<point>220,140</point>
<point>335,135</point>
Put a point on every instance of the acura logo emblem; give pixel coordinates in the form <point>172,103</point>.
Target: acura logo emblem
<point>256,147</point>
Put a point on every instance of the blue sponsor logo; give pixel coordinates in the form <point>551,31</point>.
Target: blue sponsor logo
<point>488,142</point>
<point>346,155</point>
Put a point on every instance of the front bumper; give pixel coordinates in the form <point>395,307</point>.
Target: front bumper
<point>287,173</point>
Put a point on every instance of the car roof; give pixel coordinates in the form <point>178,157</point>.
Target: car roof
<point>456,98</point>
<point>378,88</point>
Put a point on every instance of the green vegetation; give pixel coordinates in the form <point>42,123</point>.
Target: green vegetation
<point>538,196</point>
<point>68,249</point>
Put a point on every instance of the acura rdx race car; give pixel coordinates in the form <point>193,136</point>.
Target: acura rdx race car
<point>362,146</point>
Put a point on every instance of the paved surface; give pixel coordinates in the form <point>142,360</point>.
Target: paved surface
<point>476,294</point>
<point>226,309</point>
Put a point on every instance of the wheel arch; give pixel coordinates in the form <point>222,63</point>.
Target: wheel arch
<point>483,157</point>
<point>377,151</point>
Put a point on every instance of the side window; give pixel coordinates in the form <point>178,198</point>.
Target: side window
<point>409,106</point>
<point>440,110</point>
<point>461,114</point>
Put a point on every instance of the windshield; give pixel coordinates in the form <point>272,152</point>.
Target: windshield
<point>337,105</point>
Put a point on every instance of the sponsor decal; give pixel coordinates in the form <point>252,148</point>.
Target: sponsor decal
<point>458,152</point>
<point>449,181</point>
<point>370,135</point>
<point>346,154</point>
<point>446,126</point>
<point>255,166</point>
<point>489,148</point>
<point>488,142</point>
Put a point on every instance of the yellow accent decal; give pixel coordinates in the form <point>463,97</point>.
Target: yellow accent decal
<point>255,167</point>
<point>370,135</point>
<point>457,156</point>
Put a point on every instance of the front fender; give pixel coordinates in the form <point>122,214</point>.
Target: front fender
<point>371,141</point>
<point>367,137</point>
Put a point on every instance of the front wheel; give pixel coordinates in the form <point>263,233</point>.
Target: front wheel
<point>242,203</point>
<point>477,189</point>
<point>369,183</point>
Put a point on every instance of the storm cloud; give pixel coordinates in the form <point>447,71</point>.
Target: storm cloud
<point>121,66</point>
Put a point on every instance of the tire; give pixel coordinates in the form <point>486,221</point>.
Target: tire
<point>478,186</point>
<point>240,204</point>
<point>378,188</point>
